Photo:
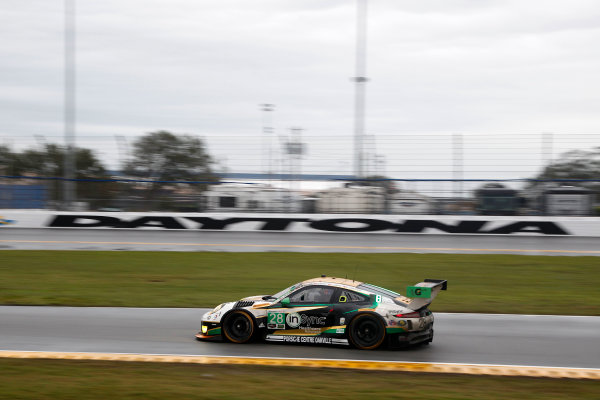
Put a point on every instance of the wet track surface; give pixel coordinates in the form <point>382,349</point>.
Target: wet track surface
<point>133,240</point>
<point>559,341</point>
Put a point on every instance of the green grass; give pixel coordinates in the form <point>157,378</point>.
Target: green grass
<point>477,283</point>
<point>83,380</point>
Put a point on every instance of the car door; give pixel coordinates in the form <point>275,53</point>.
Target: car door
<point>346,304</point>
<point>303,312</point>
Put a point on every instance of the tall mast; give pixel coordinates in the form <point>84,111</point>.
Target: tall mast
<point>360,81</point>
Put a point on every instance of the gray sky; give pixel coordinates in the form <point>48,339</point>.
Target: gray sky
<point>499,72</point>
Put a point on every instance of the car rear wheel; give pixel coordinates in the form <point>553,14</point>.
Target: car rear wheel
<point>238,327</point>
<point>366,332</point>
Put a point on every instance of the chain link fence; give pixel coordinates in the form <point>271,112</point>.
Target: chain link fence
<point>378,196</point>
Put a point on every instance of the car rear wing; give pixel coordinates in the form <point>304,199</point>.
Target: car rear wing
<point>423,293</point>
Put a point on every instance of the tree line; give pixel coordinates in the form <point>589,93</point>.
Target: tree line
<point>156,157</point>
<point>164,156</point>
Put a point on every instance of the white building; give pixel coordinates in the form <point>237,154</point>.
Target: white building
<point>409,202</point>
<point>253,198</point>
<point>352,199</point>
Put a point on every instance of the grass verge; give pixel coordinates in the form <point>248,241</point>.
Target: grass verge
<point>477,283</point>
<point>66,379</point>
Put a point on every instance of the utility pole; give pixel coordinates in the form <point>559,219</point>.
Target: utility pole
<point>69,106</point>
<point>360,81</point>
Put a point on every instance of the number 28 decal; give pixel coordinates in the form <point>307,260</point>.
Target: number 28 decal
<point>276,320</point>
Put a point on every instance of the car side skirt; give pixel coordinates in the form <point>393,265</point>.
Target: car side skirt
<point>306,339</point>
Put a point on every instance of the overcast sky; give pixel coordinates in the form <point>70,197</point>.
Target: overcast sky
<point>499,72</point>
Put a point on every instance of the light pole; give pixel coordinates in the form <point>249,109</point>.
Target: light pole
<point>457,170</point>
<point>360,81</point>
<point>69,106</point>
<point>295,149</point>
<point>267,128</point>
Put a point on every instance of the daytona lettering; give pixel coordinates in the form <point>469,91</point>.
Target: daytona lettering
<point>358,225</point>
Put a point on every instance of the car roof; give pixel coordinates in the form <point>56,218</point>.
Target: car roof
<point>328,280</point>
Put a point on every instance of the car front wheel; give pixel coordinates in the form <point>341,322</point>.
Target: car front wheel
<point>238,327</point>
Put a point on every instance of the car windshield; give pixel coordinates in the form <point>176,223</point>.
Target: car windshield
<point>283,292</point>
<point>378,290</point>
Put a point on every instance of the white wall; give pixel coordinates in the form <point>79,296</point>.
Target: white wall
<point>240,222</point>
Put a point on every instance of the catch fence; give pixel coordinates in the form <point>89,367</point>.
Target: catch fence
<point>280,194</point>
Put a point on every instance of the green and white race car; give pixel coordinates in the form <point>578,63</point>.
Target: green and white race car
<point>328,310</point>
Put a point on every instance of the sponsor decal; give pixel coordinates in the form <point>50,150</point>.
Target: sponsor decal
<point>308,339</point>
<point>312,320</point>
<point>213,316</point>
<point>276,320</point>
<point>293,320</point>
<point>304,339</point>
<point>342,321</point>
<point>329,225</point>
<point>4,221</point>
<point>417,291</point>
<point>314,331</point>
<point>404,299</point>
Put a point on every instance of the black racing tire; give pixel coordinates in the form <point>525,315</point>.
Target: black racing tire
<point>238,327</point>
<point>367,332</point>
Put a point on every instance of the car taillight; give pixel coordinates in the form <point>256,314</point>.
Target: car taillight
<point>409,315</point>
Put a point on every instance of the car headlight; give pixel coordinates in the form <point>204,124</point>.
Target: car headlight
<point>204,329</point>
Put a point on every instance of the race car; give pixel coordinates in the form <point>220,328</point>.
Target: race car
<point>328,310</point>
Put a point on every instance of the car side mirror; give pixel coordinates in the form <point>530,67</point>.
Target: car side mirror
<point>285,302</point>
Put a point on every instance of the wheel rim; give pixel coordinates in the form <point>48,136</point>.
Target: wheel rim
<point>239,327</point>
<point>367,333</point>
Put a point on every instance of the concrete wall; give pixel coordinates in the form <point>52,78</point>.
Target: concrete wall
<point>349,223</point>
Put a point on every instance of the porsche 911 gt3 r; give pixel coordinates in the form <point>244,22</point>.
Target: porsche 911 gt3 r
<point>328,310</point>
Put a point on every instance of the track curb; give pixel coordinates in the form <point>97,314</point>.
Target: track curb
<point>440,368</point>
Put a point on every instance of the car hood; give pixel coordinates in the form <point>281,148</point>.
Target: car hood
<point>255,298</point>
<point>256,301</point>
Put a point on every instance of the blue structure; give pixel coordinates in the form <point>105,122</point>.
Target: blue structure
<point>23,196</point>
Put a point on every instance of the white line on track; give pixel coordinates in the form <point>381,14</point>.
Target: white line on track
<point>553,251</point>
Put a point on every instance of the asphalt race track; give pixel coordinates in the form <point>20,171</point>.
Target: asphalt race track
<point>558,341</point>
<point>180,240</point>
<point>553,341</point>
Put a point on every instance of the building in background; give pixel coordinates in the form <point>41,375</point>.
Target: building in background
<point>352,200</point>
<point>250,198</point>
